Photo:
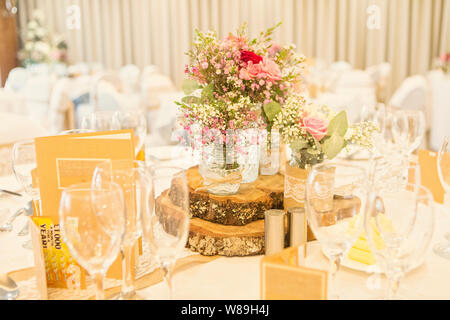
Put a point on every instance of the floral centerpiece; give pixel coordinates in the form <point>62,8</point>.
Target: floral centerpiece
<point>444,62</point>
<point>237,82</point>
<point>39,46</point>
<point>315,133</point>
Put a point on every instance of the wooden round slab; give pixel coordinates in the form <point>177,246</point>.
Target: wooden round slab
<point>209,238</point>
<point>239,209</point>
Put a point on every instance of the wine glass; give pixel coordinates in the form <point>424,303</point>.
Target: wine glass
<point>93,225</point>
<point>443,164</point>
<point>135,120</point>
<point>415,129</point>
<point>335,199</point>
<point>25,170</point>
<point>130,176</point>
<point>74,131</point>
<point>397,172</point>
<point>166,218</point>
<point>98,121</point>
<point>399,224</point>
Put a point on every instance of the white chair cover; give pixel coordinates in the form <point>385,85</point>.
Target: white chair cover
<point>354,79</point>
<point>340,66</point>
<point>163,121</point>
<point>12,102</point>
<point>129,78</point>
<point>412,94</point>
<point>104,93</point>
<point>17,79</point>
<point>59,104</point>
<point>39,69</point>
<point>380,71</point>
<point>153,84</point>
<point>96,68</point>
<point>81,68</point>
<point>351,101</point>
<point>440,110</point>
<point>15,127</point>
<point>38,88</point>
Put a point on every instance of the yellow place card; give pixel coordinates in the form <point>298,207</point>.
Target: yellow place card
<point>283,277</point>
<point>70,159</point>
<point>429,175</point>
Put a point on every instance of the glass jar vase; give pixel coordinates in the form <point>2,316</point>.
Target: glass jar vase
<point>220,170</point>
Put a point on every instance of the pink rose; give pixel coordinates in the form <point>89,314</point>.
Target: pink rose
<point>274,49</point>
<point>244,75</point>
<point>254,70</point>
<point>271,69</point>
<point>317,127</point>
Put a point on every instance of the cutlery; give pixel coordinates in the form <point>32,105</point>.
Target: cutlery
<point>11,192</point>
<point>7,226</point>
<point>8,288</point>
<point>28,212</point>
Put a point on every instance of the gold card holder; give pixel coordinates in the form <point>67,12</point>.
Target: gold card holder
<point>284,277</point>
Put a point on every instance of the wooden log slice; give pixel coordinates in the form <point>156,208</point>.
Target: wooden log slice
<point>248,205</point>
<point>208,238</point>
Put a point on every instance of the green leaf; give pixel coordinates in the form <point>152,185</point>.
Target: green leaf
<point>333,145</point>
<point>338,125</point>
<point>190,99</point>
<point>271,110</point>
<point>299,144</point>
<point>189,86</point>
<point>207,91</point>
<point>283,54</point>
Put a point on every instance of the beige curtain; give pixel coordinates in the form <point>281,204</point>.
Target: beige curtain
<point>117,32</point>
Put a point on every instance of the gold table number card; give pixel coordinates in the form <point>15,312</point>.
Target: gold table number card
<point>283,277</point>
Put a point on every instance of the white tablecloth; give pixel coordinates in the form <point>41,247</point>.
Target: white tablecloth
<point>239,277</point>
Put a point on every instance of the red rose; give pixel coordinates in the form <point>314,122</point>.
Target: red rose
<point>247,56</point>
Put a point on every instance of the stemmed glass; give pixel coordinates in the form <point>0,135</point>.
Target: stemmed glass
<point>131,177</point>
<point>335,199</point>
<point>135,120</point>
<point>166,218</point>
<point>74,131</point>
<point>399,224</point>
<point>98,121</point>
<point>392,136</point>
<point>396,173</point>
<point>443,164</point>
<point>25,170</point>
<point>93,225</point>
<point>415,121</point>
